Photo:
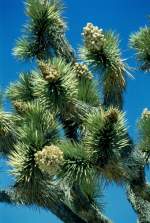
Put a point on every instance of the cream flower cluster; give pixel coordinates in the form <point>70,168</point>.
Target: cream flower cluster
<point>49,159</point>
<point>20,106</point>
<point>146,113</point>
<point>93,37</point>
<point>82,70</point>
<point>49,72</point>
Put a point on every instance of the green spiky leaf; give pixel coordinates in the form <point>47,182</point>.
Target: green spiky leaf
<point>44,34</point>
<point>58,92</point>
<point>7,132</point>
<point>77,168</point>
<point>36,129</point>
<point>22,89</point>
<point>144,132</point>
<point>39,127</point>
<point>88,92</point>
<point>106,137</point>
<point>108,62</point>
<point>140,41</point>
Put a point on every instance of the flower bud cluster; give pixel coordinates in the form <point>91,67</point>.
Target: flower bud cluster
<point>50,73</point>
<point>93,37</point>
<point>82,70</point>
<point>49,159</point>
<point>20,106</point>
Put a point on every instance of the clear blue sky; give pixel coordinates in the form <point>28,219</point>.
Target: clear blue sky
<point>123,16</point>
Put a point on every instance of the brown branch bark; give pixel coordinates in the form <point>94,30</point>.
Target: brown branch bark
<point>84,211</point>
<point>58,207</point>
<point>138,191</point>
<point>87,210</point>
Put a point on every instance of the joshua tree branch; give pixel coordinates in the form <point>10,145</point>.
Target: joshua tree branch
<point>58,208</point>
<point>85,208</point>
<point>88,213</point>
<point>138,191</point>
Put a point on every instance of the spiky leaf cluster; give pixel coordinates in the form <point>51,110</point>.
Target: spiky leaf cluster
<point>106,137</point>
<point>78,173</point>
<point>144,131</point>
<point>7,129</point>
<point>38,129</point>
<point>21,91</point>
<point>23,165</point>
<point>94,141</point>
<point>60,90</point>
<point>39,126</point>
<point>44,33</point>
<point>140,41</point>
<point>107,58</point>
<point>7,132</point>
<point>88,92</point>
<point>77,167</point>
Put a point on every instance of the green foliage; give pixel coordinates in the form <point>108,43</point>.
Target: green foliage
<point>111,120</point>
<point>144,131</point>
<point>140,41</point>
<point>38,129</point>
<point>77,166</point>
<point>107,59</point>
<point>88,91</point>
<point>106,137</point>
<point>24,49</point>
<point>94,191</point>
<point>31,185</point>
<point>21,90</point>
<point>44,32</point>
<point>7,129</point>
<point>94,142</point>
<point>7,132</point>
<point>60,92</point>
<point>77,171</point>
<point>23,166</point>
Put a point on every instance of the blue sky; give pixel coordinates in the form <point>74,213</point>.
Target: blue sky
<point>123,16</point>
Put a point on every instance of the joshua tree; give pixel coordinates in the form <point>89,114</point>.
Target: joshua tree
<point>66,132</point>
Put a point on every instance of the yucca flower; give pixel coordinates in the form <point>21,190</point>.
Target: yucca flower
<point>82,70</point>
<point>20,106</point>
<point>49,159</point>
<point>93,37</point>
<point>49,73</point>
<point>101,52</point>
